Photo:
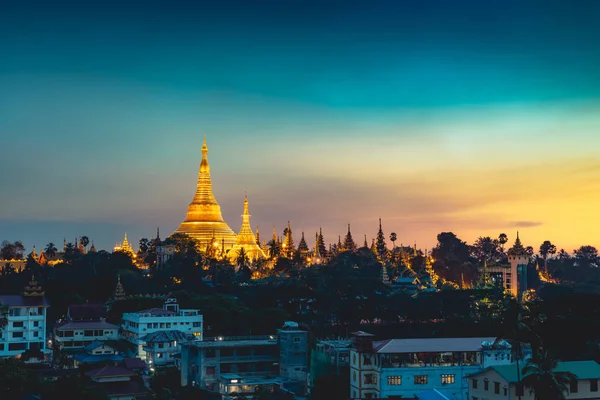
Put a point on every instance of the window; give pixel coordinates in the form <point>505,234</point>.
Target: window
<point>88,333</point>
<point>161,345</point>
<point>497,387</point>
<point>593,385</point>
<point>474,383</point>
<point>36,334</point>
<point>297,339</point>
<point>474,398</point>
<point>18,324</point>
<point>486,385</point>
<point>370,379</point>
<point>447,379</point>
<point>168,325</point>
<point>574,388</point>
<point>420,380</point>
<point>196,324</point>
<point>210,370</point>
<point>36,324</point>
<point>17,334</point>
<point>366,360</point>
<point>394,380</point>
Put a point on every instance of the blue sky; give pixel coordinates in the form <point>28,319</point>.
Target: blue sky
<point>475,117</point>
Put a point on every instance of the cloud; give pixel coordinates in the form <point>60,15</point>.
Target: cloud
<point>526,224</point>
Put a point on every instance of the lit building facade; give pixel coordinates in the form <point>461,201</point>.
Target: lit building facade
<point>25,327</point>
<point>138,324</point>
<point>85,324</point>
<point>405,367</point>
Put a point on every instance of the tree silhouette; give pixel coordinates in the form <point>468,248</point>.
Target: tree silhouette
<point>84,242</point>
<point>393,239</point>
<point>50,250</point>
<point>547,248</point>
<point>545,381</point>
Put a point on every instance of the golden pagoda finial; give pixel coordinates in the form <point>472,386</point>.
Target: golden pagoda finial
<point>204,213</point>
<point>274,234</point>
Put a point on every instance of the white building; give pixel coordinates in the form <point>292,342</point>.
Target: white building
<point>502,382</point>
<point>407,367</point>
<point>162,348</point>
<point>170,317</point>
<point>25,327</point>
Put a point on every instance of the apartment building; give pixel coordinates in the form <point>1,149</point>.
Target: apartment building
<point>25,327</point>
<point>170,317</point>
<point>408,367</point>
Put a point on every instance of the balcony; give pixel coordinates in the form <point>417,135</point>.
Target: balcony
<point>249,358</point>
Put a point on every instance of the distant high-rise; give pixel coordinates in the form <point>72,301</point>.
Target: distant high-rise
<point>203,220</point>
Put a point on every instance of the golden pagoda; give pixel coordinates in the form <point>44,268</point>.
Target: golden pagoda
<point>246,239</point>
<point>204,221</point>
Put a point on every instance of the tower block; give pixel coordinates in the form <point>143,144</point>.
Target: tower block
<point>515,281</point>
<point>204,221</point>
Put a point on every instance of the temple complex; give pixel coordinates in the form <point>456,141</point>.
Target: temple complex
<point>204,221</point>
<point>246,239</point>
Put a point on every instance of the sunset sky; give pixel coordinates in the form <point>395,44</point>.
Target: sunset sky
<point>476,117</point>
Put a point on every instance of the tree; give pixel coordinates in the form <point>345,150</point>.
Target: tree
<point>487,250</point>
<point>273,249</point>
<point>242,258</point>
<point>50,250</point>
<point>502,240</point>
<point>451,257</point>
<point>12,250</point>
<point>545,381</point>
<point>84,240</point>
<point>586,255</point>
<point>15,379</point>
<point>547,248</point>
<point>393,239</point>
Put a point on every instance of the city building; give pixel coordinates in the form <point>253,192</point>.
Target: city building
<point>25,327</point>
<point>512,277</point>
<point>407,367</point>
<point>204,220</point>
<point>330,357</point>
<point>139,324</point>
<point>119,383</point>
<point>293,352</point>
<point>282,357</point>
<point>84,324</point>
<point>233,385</point>
<point>501,382</point>
<point>98,352</point>
<point>163,347</point>
<point>203,363</point>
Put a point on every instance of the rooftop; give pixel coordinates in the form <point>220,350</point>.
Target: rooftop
<point>86,325</point>
<point>581,369</point>
<point>109,371</point>
<point>166,336</point>
<point>17,300</point>
<point>89,312</point>
<point>134,363</point>
<point>435,345</point>
<point>231,341</point>
<point>255,380</point>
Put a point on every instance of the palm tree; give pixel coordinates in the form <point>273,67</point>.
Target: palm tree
<point>393,239</point>
<point>50,250</point>
<point>547,248</point>
<point>502,239</point>
<point>242,258</point>
<point>545,381</point>
<point>274,249</point>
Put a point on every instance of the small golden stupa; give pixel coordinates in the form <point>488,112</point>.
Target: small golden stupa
<point>204,221</point>
<point>246,240</point>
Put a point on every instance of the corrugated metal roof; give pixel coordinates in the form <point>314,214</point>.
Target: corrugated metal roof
<point>434,345</point>
<point>23,301</point>
<point>166,336</point>
<point>581,369</point>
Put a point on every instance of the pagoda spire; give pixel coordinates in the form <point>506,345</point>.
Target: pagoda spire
<point>119,291</point>
<point>349,244</point>
<point>246,239</point>
<point>33,289</point>
<point>302,246</point>
<point>380,245</point>
<point>204,213</point>
<point>257,236</point>
<point>365,244</point>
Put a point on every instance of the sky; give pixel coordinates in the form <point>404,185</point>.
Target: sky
<point>474,117</point>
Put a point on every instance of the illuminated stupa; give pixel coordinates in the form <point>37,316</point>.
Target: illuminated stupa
<point>204,221</point>
<point>246,240</point>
